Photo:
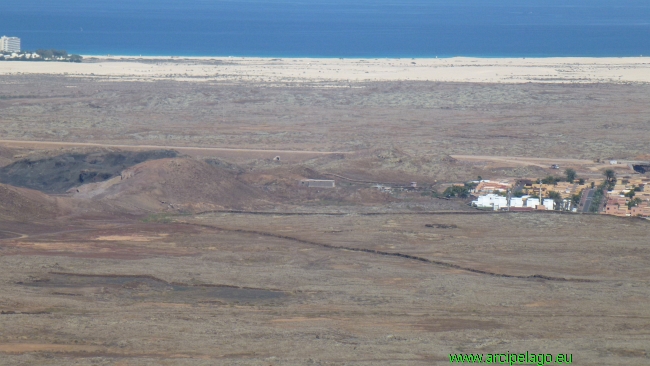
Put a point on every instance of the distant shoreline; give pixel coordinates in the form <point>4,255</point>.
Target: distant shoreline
<point>164,57</point>
<point>340,71</point>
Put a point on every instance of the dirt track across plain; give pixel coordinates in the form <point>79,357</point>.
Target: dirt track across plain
<point>51,144</point>
<point>521,159</point>
<point>540,162</point>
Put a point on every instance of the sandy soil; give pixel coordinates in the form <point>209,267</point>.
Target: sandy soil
<point>460,69</point>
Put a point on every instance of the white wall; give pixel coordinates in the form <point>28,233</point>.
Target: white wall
<point>491,201</point>
<point>500,202</point>
<point>516,202</point>
<point>532,202</point>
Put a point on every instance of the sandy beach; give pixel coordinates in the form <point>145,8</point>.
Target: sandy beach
<point>288,70</point>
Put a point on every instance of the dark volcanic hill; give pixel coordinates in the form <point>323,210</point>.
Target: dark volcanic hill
<point>60,173</point>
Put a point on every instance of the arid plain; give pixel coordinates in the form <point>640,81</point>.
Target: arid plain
<point>145,219</point>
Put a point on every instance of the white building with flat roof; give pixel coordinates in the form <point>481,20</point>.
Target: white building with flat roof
<point>549,204</point>
<point>9,44</point>
<point>532,202</point>
<point>493,201</point>
<point>516,202</point>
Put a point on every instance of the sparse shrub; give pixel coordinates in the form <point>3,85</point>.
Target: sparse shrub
<point>610,178</point>
<point>456,191</point>
<point>550,180</point>
<point>570,175</point>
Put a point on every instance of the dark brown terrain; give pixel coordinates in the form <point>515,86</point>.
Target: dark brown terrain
<point>148,223</point>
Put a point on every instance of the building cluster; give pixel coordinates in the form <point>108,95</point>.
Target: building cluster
<point>10,49</point>
<point>499,196</point>
<point>622,202</point>
<point>629,197</point>
<point>487,187</point>
<point>566,190</point>
<point>498,202</point>
<point>9,44</point>
<point>21,56</point>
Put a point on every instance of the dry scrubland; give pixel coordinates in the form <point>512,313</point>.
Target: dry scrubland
<point>295,302</point>
<point>395,129</point>
<point>120,255</point>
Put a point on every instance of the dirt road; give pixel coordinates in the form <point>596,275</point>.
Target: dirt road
<point>51,144</point>
<point>540,162</point>
<point>195,151</point>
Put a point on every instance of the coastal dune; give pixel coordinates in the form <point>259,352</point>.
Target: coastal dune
<point>290,70</point>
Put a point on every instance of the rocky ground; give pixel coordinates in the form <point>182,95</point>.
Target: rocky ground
<point>394,128</point>
<point>111,255</point>
<point>318,289</point>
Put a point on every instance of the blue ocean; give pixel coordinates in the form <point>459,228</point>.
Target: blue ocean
<point>333,28</point>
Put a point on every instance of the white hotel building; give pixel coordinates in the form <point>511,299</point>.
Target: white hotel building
<point>9,44</point>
